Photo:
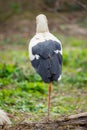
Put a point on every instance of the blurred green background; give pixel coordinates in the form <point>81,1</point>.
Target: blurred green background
<point>21,88</point>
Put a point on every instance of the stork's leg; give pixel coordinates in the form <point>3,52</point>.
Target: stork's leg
<point>49,94</point>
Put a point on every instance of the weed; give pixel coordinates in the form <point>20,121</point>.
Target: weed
<point>22,89</point>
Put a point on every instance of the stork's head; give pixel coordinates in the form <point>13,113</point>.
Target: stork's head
<point>42,24</point>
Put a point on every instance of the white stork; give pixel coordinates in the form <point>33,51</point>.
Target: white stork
<point>45,52</point>
<point>4,118</point>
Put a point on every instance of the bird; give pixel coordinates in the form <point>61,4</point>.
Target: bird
<point>4,118</point>
<point>45,53</point>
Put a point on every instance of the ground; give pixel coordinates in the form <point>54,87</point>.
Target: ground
<point>23,93</point>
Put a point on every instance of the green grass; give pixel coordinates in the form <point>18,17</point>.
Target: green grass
<point>22,90</point>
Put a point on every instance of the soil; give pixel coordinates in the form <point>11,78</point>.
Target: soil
<point>24,25</point>
<point>73,122</point>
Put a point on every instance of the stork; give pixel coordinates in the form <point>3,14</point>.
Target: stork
<point>45,53</point>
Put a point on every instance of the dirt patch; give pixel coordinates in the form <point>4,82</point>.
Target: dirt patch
<point>74,122</point>
<point>24,25</point>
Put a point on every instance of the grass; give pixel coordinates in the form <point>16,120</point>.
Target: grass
<point>22,90</point>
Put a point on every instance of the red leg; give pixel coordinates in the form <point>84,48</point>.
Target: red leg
<point>49,94</point>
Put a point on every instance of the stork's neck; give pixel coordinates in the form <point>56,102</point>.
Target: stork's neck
<point>42,27</point>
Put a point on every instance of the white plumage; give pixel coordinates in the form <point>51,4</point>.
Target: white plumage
<point>4,119</point>
<point>45,53</point>
<point>42,34</point>
<point>41,37</point>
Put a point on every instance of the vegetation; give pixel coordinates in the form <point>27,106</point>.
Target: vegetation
<point>17,7</point>
<point>22,90</point>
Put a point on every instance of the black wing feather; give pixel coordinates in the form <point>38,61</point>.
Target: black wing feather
<point>49,65</point>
